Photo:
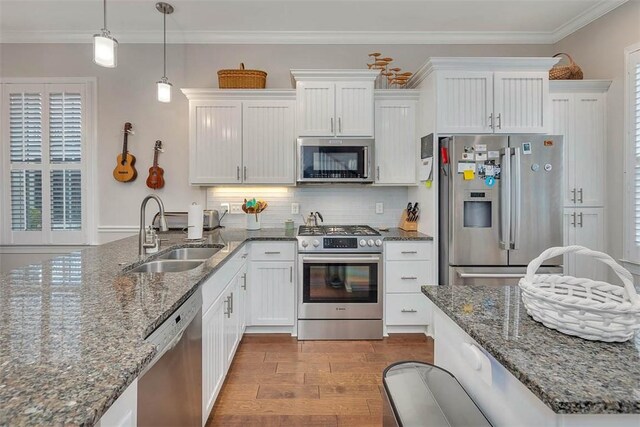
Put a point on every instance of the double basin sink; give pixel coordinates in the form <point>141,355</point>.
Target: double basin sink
<point>177,260</point>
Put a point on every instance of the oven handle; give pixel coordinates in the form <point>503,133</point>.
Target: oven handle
<point>340,260</point>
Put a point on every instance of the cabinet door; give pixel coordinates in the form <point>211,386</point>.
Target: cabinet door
<point>242,300</point>
<point>569,238</point>
<point>585,227</point>
<point>272,293</point>
<point>562,119</point>
<point>465,102</point>
<point>216,143</point>
<point>231,336</point>
<point>354,109</point>
<point>395,153</point>
<point>124,411</point>
<point>213,356</point>
<point>589,149</point>
<point>316,108</point>
<point>268,142</point>
<point>520,102</point>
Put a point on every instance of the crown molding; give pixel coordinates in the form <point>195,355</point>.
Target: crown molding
<point>391,94</point>
<point>333,74</point>
<point>326,37</point>
<point>203,94</point>
<point>579,86</point>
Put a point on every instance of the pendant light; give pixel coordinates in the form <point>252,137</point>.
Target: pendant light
<point>105,47</point>
<point>164,87</point>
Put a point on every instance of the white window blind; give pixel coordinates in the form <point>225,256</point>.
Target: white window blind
<point>635,137</point>
<point>45,163</point>
<point>633,169</point>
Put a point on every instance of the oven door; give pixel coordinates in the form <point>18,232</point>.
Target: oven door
<point>340,286</point>
<point>334,160</point>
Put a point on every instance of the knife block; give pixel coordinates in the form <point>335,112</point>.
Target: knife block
<point>407,225</point>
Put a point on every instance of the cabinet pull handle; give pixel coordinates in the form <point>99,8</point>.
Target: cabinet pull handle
<point>573,220</point>
<point>580,195</point>
<point>290,274</point>
<point>331,124</point>
<point>228,311</point>
<point>238,172</point>
<point>499,120</point>
<point>231,303</point>
<point>573,195</point>
<point>244,256</point>
<point>340,124</point>
<point>378,173</point>
<point>411,310</point>
<point>245,173</point>
<point>580,218</point>
<point>244,281</point>
<point>272,252</point>
<point>409,278</point>
<point>491,120</point>
<point>409,252</point>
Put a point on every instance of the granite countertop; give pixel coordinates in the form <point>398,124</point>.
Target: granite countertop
<point>398,234</point>
<point>569,374</point>
<point>72,328</point>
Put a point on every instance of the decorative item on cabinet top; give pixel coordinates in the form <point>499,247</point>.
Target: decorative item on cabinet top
<point>570,71</point>
<point>389,77</point>
<point>242,79</point>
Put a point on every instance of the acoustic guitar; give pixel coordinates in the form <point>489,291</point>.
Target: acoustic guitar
<point>156,173</point>
<point>125,171</point>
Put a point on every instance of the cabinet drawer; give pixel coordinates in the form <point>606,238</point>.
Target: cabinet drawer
<point>407,309</point>
<point>406,251</point>
<point>273,251</point>
<point>407,276</point>
<point>215,284</point>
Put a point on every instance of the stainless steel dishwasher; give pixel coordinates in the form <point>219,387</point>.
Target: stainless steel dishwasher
<point>170,389</point>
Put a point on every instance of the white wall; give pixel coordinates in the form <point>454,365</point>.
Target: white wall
<point>127,93</point>
<point>599,49</point>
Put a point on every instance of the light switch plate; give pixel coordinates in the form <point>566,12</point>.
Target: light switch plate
<point>295,208</point>
<point>379,208</point>
<point>236,208</point>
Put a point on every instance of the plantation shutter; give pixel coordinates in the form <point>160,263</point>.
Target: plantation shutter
<point>634,161</point>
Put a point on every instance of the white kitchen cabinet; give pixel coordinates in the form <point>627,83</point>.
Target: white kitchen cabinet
<point>578,113</point>
<point>268,142</point>
<point>241,137</point>
<point>520,102</point>
<point>231,320</point>
<point>242,299</point>
<point>584,227</point>
<point>213,355</point>
<point>395,146</point>
<point>272,293</point>
<point>465,102</point>
<point>124,411</point>
<point>335,103</point>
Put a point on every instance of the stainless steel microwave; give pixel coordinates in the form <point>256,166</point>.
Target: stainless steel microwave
<point>335,160</point>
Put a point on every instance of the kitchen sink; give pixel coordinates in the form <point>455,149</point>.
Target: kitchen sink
<point>166,266</point>
<point>190,254</point>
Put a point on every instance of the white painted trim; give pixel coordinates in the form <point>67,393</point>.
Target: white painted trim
<point>111,229</point>
<point>585,18</point>
<point>400,94</point>
<point>579,86</point>
<point>633,267</point>
<point>629,250</point>
<point>196,94</point>
<point>334,75</point>
<point>40,249</point>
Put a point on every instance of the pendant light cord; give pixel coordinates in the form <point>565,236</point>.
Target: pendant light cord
<point>164,43</point>
<point>104,13</point>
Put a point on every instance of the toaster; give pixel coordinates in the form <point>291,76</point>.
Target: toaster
<point>180,220</point>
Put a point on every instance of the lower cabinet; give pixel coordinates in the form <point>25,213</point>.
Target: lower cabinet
<point>272,294</point>
<point>584,227</point>
<point>213,355</point>
<point>124,411</point>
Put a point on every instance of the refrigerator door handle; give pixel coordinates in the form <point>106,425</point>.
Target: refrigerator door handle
<point>517,202</point>
<point>505,199</point>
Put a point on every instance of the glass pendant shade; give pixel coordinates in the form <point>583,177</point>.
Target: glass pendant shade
<point>164,90</point>
<point>105,50</point>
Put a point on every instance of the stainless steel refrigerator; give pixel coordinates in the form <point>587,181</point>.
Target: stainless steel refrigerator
<point>500,201</point>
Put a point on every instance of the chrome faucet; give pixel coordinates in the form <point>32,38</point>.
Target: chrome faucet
<point>144,245</point>
<point>312,219</point>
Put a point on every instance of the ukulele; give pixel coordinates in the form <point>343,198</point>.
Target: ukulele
<point>156,173</point>
<point>124,171</point>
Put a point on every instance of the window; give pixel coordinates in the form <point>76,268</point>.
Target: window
<point>633,155</point>
<point>44,147</point>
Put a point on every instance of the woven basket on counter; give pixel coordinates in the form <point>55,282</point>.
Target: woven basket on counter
<point>242,79</point>
<point>586,308</point>
<point>571,71</point>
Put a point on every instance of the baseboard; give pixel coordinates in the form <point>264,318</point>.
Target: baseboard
<point>408,329</point>
<point>269,330</point>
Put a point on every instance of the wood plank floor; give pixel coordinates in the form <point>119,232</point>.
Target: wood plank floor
<point>276,380</point>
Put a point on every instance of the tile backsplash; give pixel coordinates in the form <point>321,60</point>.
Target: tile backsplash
<point>338,204</point>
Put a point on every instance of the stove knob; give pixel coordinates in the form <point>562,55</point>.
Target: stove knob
<point>378,242</point>
<point>363,242</point>
<point>316,243</point>
<point>370,242</point>
<point>304,243</point>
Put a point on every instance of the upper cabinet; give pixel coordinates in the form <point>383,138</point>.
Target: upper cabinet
<point>335,103</point>
<point>486,95</point>
<point>238,137</point>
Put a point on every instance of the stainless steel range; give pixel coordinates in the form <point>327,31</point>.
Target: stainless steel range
<point>340,295</point>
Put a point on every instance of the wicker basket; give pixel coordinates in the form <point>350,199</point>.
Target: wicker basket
<point>572,71</point>
<point>586,308</point>
<point>242,79</point>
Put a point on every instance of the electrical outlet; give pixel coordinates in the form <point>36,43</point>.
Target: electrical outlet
<point>236,208</point>
<point>379,208</point>
<point>295,208</point>
<point>224,207</point>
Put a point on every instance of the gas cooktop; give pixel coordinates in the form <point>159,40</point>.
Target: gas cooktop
<point>338,238</point>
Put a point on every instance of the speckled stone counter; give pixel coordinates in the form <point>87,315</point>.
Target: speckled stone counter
<point>398,234</point>
<point>569,374</point>
<point>72,328</point>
